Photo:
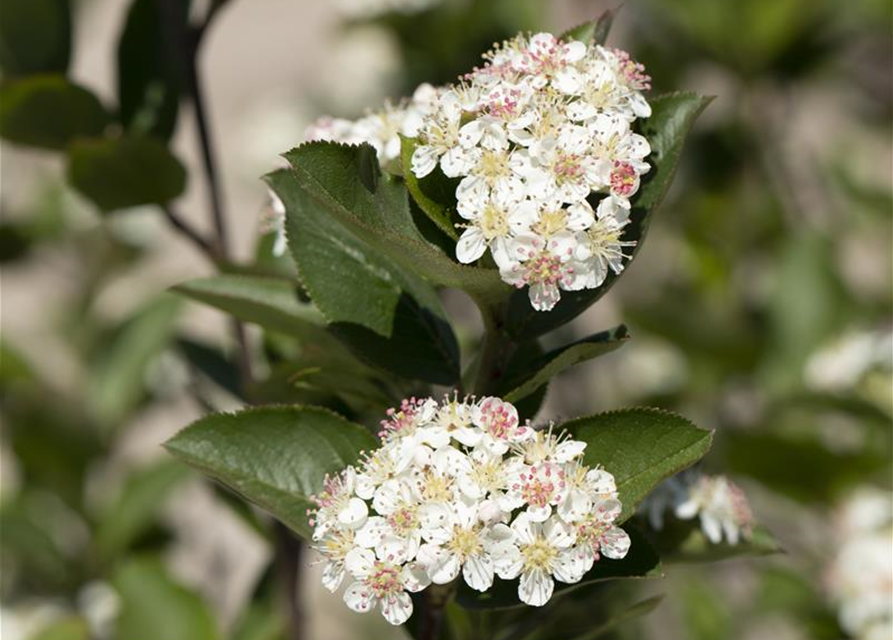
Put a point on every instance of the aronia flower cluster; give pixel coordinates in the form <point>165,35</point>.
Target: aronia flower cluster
<point>531,136</point>
<point>461,487</point>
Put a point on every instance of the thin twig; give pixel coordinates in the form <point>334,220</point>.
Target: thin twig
<point>189,232</point>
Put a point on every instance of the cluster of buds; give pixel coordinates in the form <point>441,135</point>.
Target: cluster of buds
<point>462,488</point>
<point>541,141</point>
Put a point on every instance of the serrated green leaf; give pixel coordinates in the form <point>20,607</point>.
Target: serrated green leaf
<point>35,36</point>
<point>673,116</point>
<point>148,82</point>
<point>48,111</point>
<point>640,562</point>
<point>524,375</point>
<point>640,447</point>
<point>125,172</point>
<point>273,456</point>
<point>325,171</point>
<point>432,192</point>
<point>154,606</point>
<point>595,31</point>
<point>140,500</point>
<point>387,314</point>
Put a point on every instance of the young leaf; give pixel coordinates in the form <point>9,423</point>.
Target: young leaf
<point>383,311</point>
<point>673,116</point>
<point>592,32</point>
<point>125,172</point>
<point>332,175</point>
<point>47,111</point>
<point>274,456</point>
<point>148,85</point>
<point>640,562</point>
<point>35,36</point>
<point>640,447</point>
<point>524,375</point>
<point>154,606</point>
<point>431,192</point>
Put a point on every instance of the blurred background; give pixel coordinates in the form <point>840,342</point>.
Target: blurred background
<point>760,306</point>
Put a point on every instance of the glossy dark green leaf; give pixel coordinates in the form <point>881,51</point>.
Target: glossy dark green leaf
<point>640,562</point>
<point>125,172</point>
<point>673,116</point>
<point>148,82</point>
<point>435,194</point>
<point>524,375</point>
<point>339,178</point>
<point>141,498</point>
<point>387,314</point>
<point>595,31</point>
<point>35,36</point>
<point>640,447</point>
<point>274,456</point>
<point>154,606</point>
<point>48,111</point>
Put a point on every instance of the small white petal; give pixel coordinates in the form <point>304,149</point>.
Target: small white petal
<point>358,597</point>
<point>397,609</point>
<point>615,543</point>
<point>478,572</point>
<point>535,588</point>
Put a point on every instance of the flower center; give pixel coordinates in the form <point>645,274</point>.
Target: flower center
<point>488,474</point>
<point>567,167</point>
<point>493,222</point>
<point>539,485</point>
<point>404,519</point>
<point>338,545</point>
<point>538,555</point>
<point>551,222</point>
<point>493,165</point>
<point>465,542</point>
<point>385,579</point>
<point>545,268</point>
<point>437,488</point>
<point>623,178</point>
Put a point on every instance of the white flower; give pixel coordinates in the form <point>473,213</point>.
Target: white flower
<point>336,506</point>
<point>492,226</point>
<point>721,506</point>
<point>499,422</point>
<point>539,552</point>
<point>597,535</point>
<point>382,582</point>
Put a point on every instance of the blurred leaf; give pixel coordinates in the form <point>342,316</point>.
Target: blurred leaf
<point>47,111</point>
<point>118,382</point>
<point>213,364</point>
<point>275,457</point>
<point>148,84</point>
<point>800,467</point>
<point>348,184</point>
<point>435,193</point>
<point>139,502</point>
<point>524,375</point>
<point>683,541</point>
<point>640,562</point>
<point>14,368</point>
<point>386,313</point>
<point>638,610</point>
<point>125,172</point>
<point>595,31</point>
<point>35,36</point>
<point>31,558</point>
<point>70,628</point>
<point>706,612</point>
<point>640,447</point>
<point>673,116</point>
<point>260,621</point>
<point>153,606</point>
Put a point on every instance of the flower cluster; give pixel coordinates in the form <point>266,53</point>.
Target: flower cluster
<point>718,502</point>
<point>531,135</point>
<point>859,578</point>
<point>461,487</point>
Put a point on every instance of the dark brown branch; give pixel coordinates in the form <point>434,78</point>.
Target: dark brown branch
<point>189,232</point>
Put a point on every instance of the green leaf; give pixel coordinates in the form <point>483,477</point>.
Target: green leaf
<point>640,562</point>
<point>673,116</point>
<point>117,384</point>
<point>638,610</point>
<point>431,192</point>
<point>592,32</point>
<point>387,314</point>
<point>640,447</point>
<point>47,111</point>
<point>136,507</point>
<point>125,172</point>
<point>273,456</point>
<point>35,36</point>
<point>333,175</point>
<point>70,628</point>
<point>524,375</point>
<point>154,606</point>
<point>148,82</point>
